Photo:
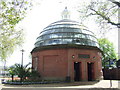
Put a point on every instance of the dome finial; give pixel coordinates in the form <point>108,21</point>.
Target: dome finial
<point>66,7</point>
<point>66,14</point>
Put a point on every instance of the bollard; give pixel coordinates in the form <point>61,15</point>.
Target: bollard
<point>119,84</point>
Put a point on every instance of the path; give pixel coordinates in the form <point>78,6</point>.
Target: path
<point>67,86</point>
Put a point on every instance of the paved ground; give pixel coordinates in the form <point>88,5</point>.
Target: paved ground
<point>0,85</point>
<point>58,89</point>
<point>66,86</point>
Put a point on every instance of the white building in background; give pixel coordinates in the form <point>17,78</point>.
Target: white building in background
<point>1,70</point>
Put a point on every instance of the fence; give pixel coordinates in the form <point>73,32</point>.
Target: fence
<point>111,74</point>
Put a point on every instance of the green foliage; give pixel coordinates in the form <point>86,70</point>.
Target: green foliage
<point>11,13</point>
<point>22,71</point>
<point>12,72</point>
<point>108,50</point>
<point>34,76</point>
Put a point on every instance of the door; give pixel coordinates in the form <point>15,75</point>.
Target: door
<point>90,67</point>
<point>77,71</point>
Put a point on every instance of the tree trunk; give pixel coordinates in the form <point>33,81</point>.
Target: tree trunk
<point>12,78</point>
<point>21,79</point>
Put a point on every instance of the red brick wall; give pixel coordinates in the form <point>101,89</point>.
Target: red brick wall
<point>54,66</point>
<point>59,63</point>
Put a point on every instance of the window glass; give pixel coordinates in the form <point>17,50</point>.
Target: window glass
<point>52,42</point>
<point>78,35</point>
<point>35,63</point>
<point>53,36</point>
<point>64,32</point>
<point>83,36</point>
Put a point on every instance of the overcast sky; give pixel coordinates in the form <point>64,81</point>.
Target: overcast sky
<point>48,11</point>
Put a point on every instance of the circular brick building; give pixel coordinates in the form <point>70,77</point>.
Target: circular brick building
<point>65,50</point>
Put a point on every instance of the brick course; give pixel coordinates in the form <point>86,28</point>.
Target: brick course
<point>59,63</point>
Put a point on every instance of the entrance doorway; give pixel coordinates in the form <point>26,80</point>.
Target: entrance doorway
<point>90,67</point>
<point>77,76</point>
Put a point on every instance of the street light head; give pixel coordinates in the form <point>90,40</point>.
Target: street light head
<point>22,50</point>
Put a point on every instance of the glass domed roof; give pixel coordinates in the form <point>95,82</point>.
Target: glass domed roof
<point>66,31</point>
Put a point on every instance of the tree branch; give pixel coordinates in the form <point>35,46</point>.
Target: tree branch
<point>115,2</point>
<point>106,18</point>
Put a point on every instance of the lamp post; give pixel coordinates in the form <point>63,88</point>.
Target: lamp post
<point>22,56</point>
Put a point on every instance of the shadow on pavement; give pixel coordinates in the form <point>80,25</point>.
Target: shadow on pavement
<point>60,89</point>
<point>55,84</point>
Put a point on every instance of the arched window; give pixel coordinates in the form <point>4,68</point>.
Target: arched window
<point>35,63</point>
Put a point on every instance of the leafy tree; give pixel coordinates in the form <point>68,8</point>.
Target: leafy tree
<point>12,72</point>
<point>103,12</point>
<point>34,75</point>
<point>108,51</point>
<point>11,13</point>
<point>22,71</point>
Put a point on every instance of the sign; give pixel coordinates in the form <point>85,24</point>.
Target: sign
<point>83,56</point>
